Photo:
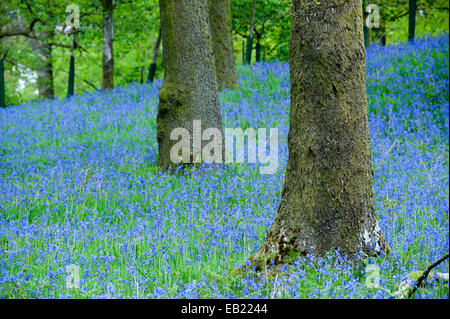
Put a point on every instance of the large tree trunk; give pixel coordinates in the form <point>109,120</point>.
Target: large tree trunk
<point>220,23</point>
<point>189,90</point>
<point>249,49</point>
<point>412,20</point>
<point>107,50</point>
<point>327,199</point>
<point>43,52</point>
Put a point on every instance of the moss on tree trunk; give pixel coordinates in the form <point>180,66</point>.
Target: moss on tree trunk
<point>189,90</point>
<point>222,38</point>
<point>327,199</point>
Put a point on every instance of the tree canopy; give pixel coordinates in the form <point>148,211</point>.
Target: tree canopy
<point>136,26</point>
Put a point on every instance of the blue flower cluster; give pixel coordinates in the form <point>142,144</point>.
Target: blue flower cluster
<point>79,186</point>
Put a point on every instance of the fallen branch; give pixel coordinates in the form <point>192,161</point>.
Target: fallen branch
<point>425,275</point>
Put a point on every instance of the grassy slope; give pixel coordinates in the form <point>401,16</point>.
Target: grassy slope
<point>79,186</point>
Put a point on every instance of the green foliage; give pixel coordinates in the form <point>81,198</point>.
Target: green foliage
<point>272,25</point>
<point>136,25</point>
<point>431,18</point>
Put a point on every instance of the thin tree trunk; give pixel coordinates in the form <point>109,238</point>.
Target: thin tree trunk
<point>412,20</point>
<point>107,50</point>
<point>327,199</point>
<point>243,50</point>
<point>189,90</point>
<point>2,83</point>
<point>43,52</point>
<point>383,36</point>
<point>152,68</point>
<point>71,79</point>
<point>366,29</point>
<point>258,50</point>
<point>222,38</point>
<point>249,49</point>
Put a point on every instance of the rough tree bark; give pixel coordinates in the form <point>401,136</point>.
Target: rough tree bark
<point>152,68</point>
<point>222,38</point>
<point>249,49</point>
<point>327,199</point>
<point>107,50</point>
<point>189,90</point>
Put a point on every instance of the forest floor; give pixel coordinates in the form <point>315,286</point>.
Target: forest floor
<point>79,186</point>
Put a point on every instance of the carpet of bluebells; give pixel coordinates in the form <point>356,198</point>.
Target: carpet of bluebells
<point>79,186</point>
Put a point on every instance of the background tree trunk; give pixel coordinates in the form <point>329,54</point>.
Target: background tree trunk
<point>43,52</point>
<point>152,68</point>
<point>327,201</point>
<point>249,49</point>
<point>189,90</point>
<point>243,50</point>
<point>222,38</point>
<point>412,20</point>
<point>107,50</point>
<point>366,29</point>
<point>258,50</point>
<point>383,36</point>
<point>2,83</point>
<point>71,79</point>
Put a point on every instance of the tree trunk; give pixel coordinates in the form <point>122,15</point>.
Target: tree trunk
<point>107,50</point>
<point>43,52</point>
<point>189,90</point>
<point>152,68</point>
<point>2,83</point>
<point>243,50</point>
<point>249,49</point>
<point>222,38</point>
<point>327,199</point>
<point>383,36</point>
<point>71,80</point>
<point>366,29</point>
<point>412,20</point>
<point>258,50</point>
